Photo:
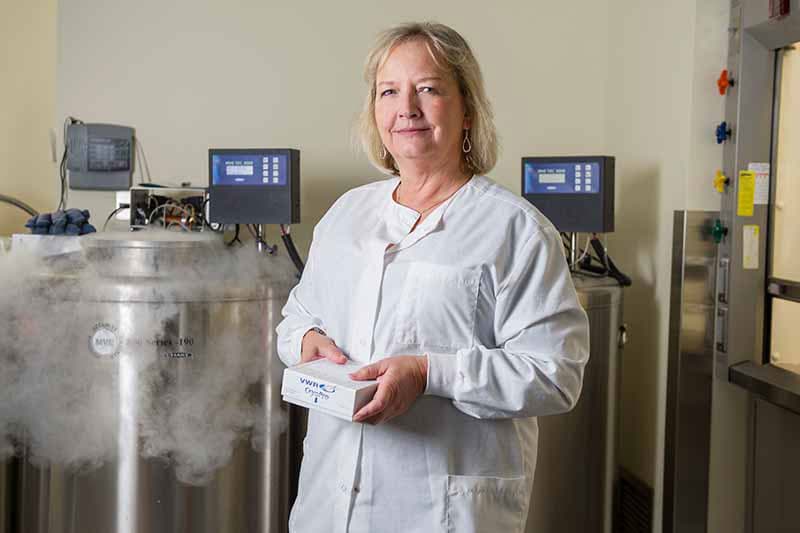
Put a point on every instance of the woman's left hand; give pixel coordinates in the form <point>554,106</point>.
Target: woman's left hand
<point>401,380</point>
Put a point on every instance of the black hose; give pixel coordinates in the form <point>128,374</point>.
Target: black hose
<point>292,250</point>
<point>20,204</point>
<point>235,237</point>
<point>588,267</point>
<point>613,271</point>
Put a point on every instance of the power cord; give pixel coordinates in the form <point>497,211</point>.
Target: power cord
<point>62,167</point>
<point>291,248</point>
<point>140,150</point>
<point>114,212</point>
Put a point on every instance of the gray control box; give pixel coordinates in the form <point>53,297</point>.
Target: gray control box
<point>100,156</point>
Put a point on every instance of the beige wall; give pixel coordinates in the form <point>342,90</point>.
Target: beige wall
<point>27,107</point>
<point>662,107</point>
<point>648,121</point>
<point>632,79</point>
<point>192,75</point>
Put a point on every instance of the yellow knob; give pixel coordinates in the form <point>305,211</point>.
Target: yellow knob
<point>720,181</point>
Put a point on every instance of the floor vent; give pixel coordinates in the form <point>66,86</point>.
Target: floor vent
<point>633,511</point>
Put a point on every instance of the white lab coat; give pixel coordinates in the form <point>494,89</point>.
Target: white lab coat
<point>482,287</point>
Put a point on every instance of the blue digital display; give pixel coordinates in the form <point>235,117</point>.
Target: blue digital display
<point>575,177</point>
<point>249,169</point>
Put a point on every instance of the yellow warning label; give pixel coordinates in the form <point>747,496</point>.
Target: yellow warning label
<point>747,191</point>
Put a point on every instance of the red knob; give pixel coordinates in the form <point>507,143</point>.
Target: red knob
<point>724,81</point>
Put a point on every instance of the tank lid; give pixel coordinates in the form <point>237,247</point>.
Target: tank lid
<point>149,239</point>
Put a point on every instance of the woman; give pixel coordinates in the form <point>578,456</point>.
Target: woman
<point>453,292</point>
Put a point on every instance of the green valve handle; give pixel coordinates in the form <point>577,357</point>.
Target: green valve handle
<point>718,231</point>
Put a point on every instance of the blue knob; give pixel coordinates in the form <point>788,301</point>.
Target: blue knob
<point>723,132</point>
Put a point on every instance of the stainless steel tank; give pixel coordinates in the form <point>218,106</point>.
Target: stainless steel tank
<point>6,464</point>
<point>575,476</point>
<point>162,410</point>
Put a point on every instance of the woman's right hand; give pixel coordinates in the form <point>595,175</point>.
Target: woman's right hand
<point>317,346</point>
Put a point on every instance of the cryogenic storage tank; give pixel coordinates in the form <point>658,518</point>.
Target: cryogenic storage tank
<point>149,388</point>
<point>573,485</point>
<point>6,464</point>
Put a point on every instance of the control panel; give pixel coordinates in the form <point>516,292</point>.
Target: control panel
<point>575,192</point>
<point>254,186</point>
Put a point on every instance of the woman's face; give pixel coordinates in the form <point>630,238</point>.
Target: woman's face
<point>419,109</point>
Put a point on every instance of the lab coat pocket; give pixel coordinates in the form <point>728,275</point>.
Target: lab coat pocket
<point>482,504</point>
<point>437,310</point>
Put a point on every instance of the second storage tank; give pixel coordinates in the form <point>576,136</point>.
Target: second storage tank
<point>573,486</point>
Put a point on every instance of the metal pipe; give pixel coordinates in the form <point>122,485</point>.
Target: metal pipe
<point>260,238</point>
<point>20,204</point>
<point>573,249</point>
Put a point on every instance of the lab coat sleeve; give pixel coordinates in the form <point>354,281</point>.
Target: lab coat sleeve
<point>542,336</point>
<point>301,312</point>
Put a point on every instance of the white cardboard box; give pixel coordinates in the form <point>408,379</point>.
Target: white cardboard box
<point>325,386</point>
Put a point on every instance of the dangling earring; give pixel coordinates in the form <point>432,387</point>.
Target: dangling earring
<point>383,152</point>
<point>466,145</point>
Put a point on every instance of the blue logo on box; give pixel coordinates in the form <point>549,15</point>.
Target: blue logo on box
<point>330,389</point>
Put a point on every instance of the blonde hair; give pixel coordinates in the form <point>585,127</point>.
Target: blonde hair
<point>451,53</point>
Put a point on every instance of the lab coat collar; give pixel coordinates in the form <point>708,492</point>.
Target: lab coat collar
<point>401,218</point>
